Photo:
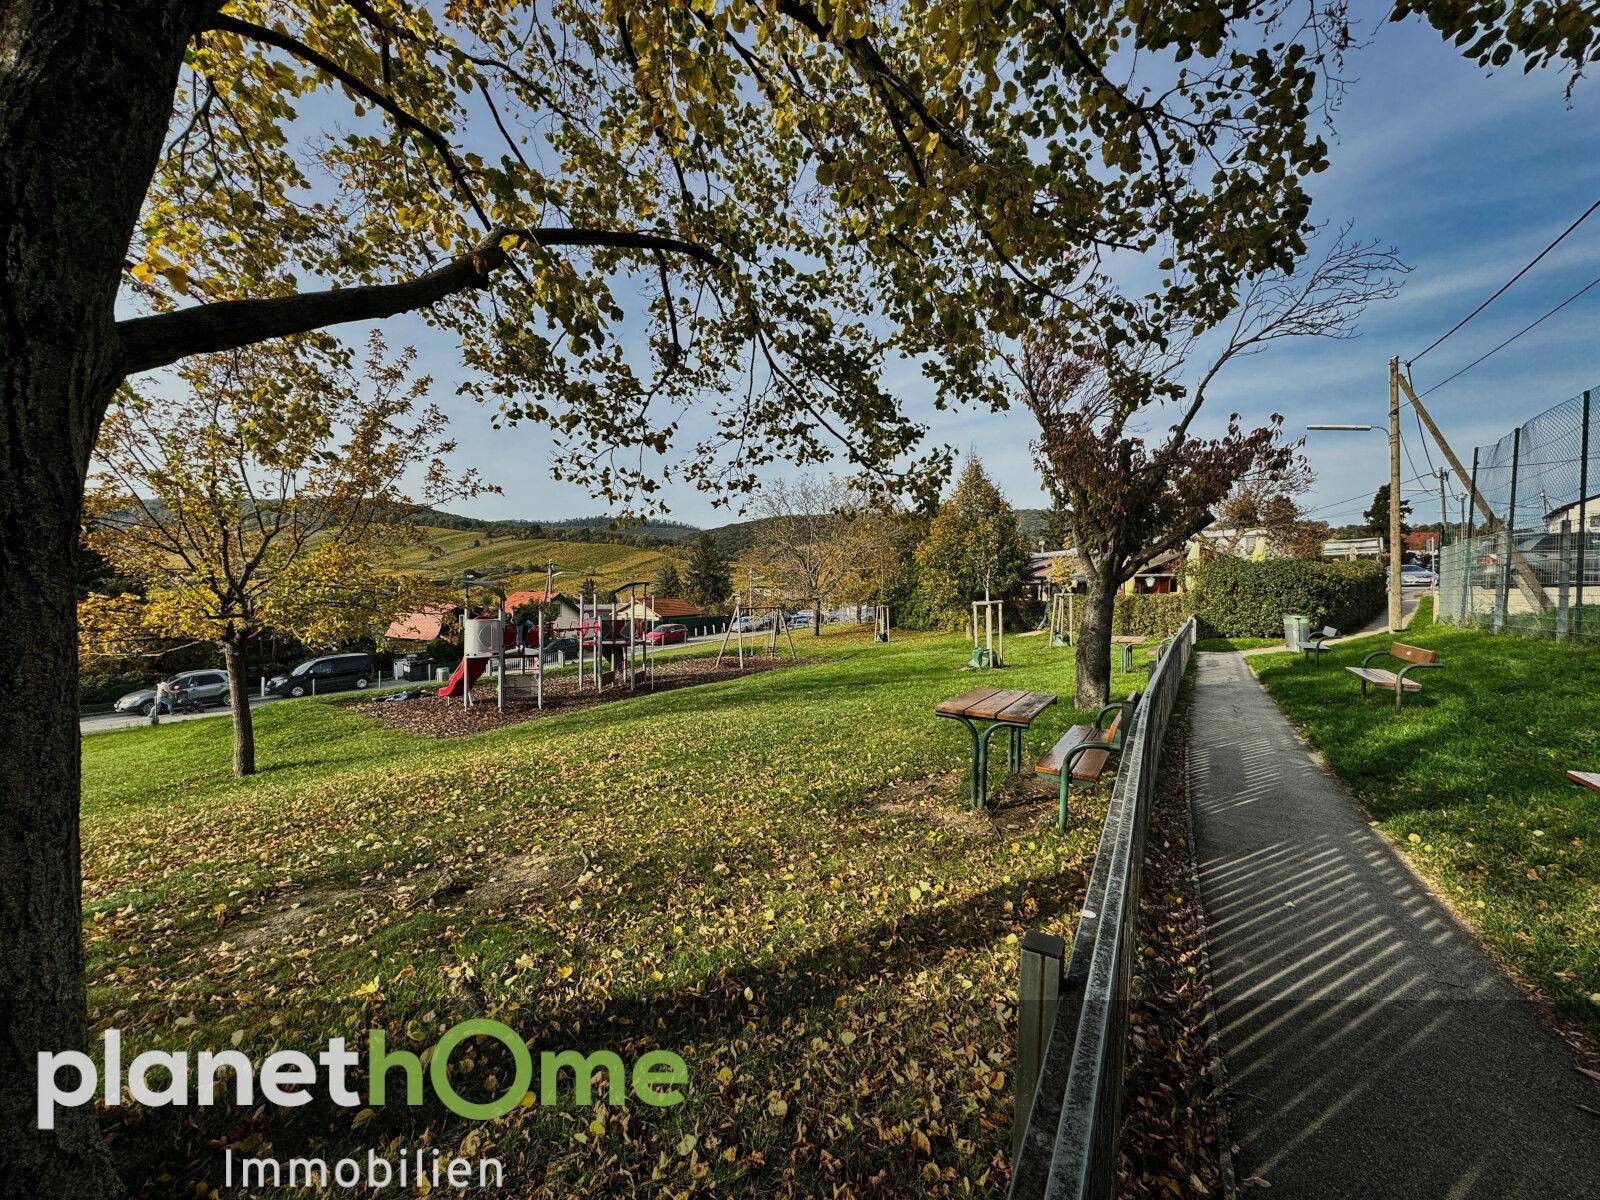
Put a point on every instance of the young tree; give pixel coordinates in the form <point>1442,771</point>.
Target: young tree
<point>1377,514</point>
<point>266,495</point>
<point>809,540</point>
<point>707,574</point>
<point>801,187</point>
<point>1128,501</point>
<point>973,549</point>
<point>668,581</point>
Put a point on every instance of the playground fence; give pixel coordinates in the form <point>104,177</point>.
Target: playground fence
<point>1072,1015</point>
<point>1533,566</point>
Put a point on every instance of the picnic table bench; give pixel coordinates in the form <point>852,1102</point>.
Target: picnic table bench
<point>984,710</point>
<point>1588,779</point>
<point>1416,658</point>
<point>1317,643</point>
<point>1083,752</point>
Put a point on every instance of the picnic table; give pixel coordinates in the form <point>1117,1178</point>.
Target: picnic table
<point>1125,642</point>
<point>983,710</point>
<point>1588,779</point>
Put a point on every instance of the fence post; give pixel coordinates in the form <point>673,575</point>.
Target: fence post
<point>1043,961</point>
<point>1564,572</point>
<point>1471,553</point>
<point>1502,592</point>
<point>1583,514</point>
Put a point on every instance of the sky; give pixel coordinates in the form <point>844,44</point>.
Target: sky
<point>1467,173</point>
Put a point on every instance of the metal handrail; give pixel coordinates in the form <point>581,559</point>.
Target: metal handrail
<point>1073,1016</point>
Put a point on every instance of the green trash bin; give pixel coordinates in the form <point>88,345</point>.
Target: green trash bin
<point>1296,630</point>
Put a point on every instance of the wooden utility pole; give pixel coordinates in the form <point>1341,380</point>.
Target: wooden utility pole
<point>1394,495</point>
<point>1527,581</point>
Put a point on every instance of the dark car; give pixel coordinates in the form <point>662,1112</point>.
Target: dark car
<point>555,648</point>
<point>667,635</point>
<point>331,673</point>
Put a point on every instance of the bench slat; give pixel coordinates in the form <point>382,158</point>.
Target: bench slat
<point>1026,709</point>
<point>991,706</point>
<point>963,703</point>
<point>1415,654</point>
<point>1090,765</point>
<point>1381,678</point>
<point>1588,779</point>
<point>1050,764</point>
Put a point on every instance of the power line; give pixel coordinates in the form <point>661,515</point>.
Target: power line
<point>1507,285</point>
<point>1593,283</point>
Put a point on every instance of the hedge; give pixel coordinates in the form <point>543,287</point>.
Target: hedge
<point>1156,614</point>
<point>1234,597</point>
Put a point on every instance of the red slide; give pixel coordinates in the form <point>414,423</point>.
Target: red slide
<point>476,667</point>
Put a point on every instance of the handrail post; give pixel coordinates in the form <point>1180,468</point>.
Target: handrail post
<point>1503,592</point>
<point>1471,562</point>
<point>1043,961</point>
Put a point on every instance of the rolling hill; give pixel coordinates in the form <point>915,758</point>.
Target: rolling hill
<point>520,560</point>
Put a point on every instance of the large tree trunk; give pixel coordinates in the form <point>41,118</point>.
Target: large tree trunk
<point>244,731</point>
<point>816,618</point>
<point>85,96</point>
<point>1093,655</point>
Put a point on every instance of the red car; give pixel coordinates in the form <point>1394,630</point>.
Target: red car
<point>666,635</point>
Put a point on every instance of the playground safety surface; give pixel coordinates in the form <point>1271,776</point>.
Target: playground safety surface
<point>432,715</point>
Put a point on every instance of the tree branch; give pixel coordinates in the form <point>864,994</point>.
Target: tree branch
<point>156,341</point>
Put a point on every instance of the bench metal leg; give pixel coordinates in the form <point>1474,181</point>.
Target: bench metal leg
<point>1066,789</point>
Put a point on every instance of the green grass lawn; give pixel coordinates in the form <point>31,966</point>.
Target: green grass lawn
<point>1470,782</point>
<point>773,877</point>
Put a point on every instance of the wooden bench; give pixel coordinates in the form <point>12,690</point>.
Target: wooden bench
<point>1317,643</point>
<point>1588,779</point>
<point>1083,753</point>
<point>1416,658</point>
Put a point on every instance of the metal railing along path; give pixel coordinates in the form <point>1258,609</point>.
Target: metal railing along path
<point>1072,1020</point>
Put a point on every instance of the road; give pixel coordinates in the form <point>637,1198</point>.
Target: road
<point>106,722</point>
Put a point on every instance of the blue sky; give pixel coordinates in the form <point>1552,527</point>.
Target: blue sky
<point>1468,174</point>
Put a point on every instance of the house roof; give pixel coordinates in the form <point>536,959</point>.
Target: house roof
<point>673,606</point>
<point>416,627</point>
<point>515,600</point>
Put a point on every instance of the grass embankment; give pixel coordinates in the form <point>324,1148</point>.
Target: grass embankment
<point>773,877</point>
<point>1469,781</point>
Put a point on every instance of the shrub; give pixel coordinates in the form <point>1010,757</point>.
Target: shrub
<point>1233,597</point>
<point>1153,615</point>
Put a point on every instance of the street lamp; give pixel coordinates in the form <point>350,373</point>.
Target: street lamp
<point>1394,486</point>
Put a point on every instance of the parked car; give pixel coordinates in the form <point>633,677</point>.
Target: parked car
<point>750,624</point>
<point>555,648</point>
<point>331,673</point>
<point>1413,576</point>
<point>801,619</point>
<point>667,635</point>
<point>197,687</point>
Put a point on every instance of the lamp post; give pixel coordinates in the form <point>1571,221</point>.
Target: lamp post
<point>1394,485</point>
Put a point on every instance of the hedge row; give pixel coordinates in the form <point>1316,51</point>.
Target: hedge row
<point>1233,597</point>
<point>1158,614</point>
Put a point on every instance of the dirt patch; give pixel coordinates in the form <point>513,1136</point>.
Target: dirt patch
<point>432,715</point>
<point>499,882</point>
<point>1019,803</point>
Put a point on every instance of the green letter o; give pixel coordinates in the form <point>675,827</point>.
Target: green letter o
<point>439,1069</point>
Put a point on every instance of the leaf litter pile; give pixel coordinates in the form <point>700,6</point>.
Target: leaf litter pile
<point>773,876</point>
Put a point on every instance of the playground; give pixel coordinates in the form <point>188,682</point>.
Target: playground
<point>775,874</point>
<point>441,713</point>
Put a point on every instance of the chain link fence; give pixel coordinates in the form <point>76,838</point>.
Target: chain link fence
<point>1531,565</point>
